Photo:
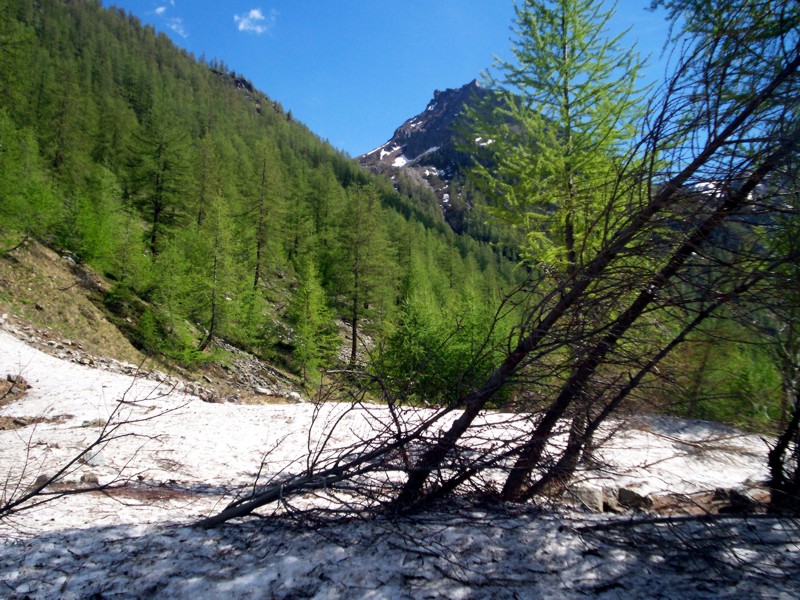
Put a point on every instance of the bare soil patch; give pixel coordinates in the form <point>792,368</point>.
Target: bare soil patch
<point>9,423</point>
<point>10,391</point>
<point>707,502</point>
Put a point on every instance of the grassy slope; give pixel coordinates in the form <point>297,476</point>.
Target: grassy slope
<point>48,291</point>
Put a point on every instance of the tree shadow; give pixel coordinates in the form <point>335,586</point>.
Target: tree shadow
<point>456,551</point>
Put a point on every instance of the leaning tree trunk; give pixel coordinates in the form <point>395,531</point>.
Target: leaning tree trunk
<point>565,467</point>
<point>574,388</point>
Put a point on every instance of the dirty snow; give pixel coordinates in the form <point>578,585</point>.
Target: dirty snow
<point>188,458</point>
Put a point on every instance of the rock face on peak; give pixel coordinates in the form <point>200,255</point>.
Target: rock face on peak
<point>424,148</point>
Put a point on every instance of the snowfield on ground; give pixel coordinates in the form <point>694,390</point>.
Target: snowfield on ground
<point>189,458</point>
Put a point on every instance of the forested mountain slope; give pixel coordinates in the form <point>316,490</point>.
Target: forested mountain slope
<point>213,212</point>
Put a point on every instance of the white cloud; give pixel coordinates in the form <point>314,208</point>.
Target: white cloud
<point>176,25</point>
<point>254,21</point>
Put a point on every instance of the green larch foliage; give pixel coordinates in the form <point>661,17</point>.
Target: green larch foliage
<point>569,104</point>
<point>159,175</point>
<point>28,204</point>
<point>314,335</point>
<point>363,260</point>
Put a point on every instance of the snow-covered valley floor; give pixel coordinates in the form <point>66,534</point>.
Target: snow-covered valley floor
<point>183,459</point>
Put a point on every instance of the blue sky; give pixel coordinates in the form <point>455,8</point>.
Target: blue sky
<point>354,70</point>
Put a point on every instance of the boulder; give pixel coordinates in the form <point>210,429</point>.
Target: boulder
<point>95,458</point>
<point>41,482</point>
<point>590,497</point>
<point>89,480</point>
<point>611,504</point>
<point>632,498</point>
<point>737,502</point>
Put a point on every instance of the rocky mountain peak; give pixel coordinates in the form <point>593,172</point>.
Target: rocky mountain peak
<point>424,148</point>
<point>429,138</point>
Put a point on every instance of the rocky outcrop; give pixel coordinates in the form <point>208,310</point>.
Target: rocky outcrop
<point>250,376</point>
<point>752,499</point>
<point>429,139</point>
<point>424,150</point>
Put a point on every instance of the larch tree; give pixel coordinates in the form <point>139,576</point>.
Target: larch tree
<point>217,228</point>
<point>159,172</point>
<point>28,204</point>
<point>213,241</point>
<point>267,204</point>
<point>314,330</point>
<point>554,149</point>
<point>326,198</point>
<point>569,105</point>
<point>734,132</point>
<point>363,249</point>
